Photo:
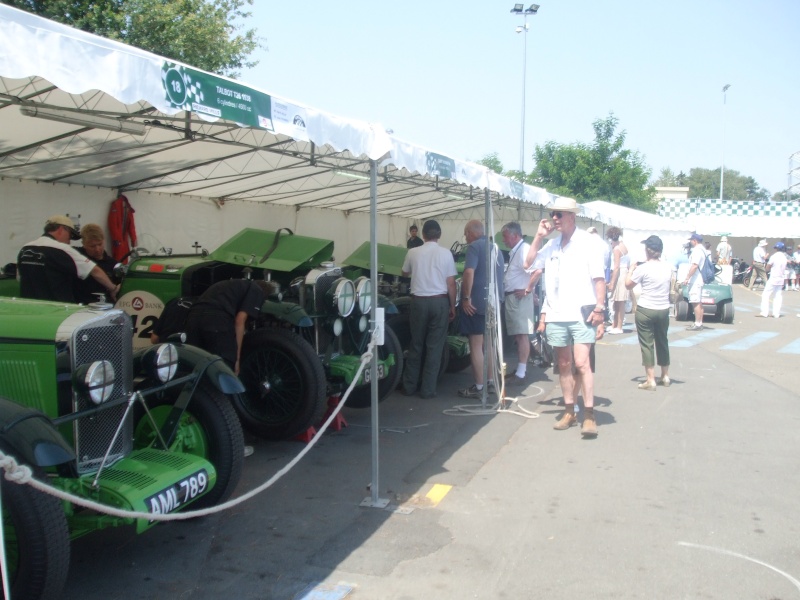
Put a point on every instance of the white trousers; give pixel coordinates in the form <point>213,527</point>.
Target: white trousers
<point>770,289</point>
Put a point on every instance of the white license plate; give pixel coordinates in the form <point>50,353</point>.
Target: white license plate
<point>172,498</point>
<point>381,373</point>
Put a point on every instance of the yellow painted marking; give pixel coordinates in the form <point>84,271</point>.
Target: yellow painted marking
<point>437,493</point>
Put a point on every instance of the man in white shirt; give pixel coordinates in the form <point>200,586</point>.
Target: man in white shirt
<point>724,251</point>
<point>433,304</point>
<point>574,304</point>
<point>759,262</point>
<point>518,284</point>
<point>777,267</point>
<point>694,279</point>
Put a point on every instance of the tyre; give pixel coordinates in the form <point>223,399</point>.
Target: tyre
<point>361,396</point>
<point>726,313</point>
<point>746,279</point>
<point>285,384</point>
<point>401,326</point>
<point>37,542</point>
<point>682,310</point>
<point>209,428</point>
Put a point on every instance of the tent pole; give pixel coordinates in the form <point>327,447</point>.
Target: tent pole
<point>373,501</point>
<point>490,283</point>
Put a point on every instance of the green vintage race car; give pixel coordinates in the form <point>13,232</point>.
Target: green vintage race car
<point>306,344</point>
<point>151,430</point>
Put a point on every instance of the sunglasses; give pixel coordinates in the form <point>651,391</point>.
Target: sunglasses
<point>557,214</point>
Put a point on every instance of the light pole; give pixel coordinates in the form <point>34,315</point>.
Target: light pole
<point>520,10</point>
<point>722,170</point>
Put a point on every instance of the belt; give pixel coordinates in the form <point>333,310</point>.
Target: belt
<point>429,297</point>
<point>759,263</point>
<point>513,292</point>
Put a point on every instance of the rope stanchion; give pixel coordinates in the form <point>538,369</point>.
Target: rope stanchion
<point>23,475</point>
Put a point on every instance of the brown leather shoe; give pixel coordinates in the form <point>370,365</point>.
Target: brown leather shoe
<point>589,427</point>
<point>568,419</point>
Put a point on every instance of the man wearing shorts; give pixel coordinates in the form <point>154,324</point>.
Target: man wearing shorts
<point>694,279</point>
<point>574,305</point>
<point>518,284</point>
<point>474,296</point>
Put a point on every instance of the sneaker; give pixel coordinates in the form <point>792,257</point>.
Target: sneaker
<point>615,331</point>
<point>694,327</point>
<point>648,387</point>
<point>471,392</point>
<point>665,381</point>
<point>490,388</point>
<point>516,381</point>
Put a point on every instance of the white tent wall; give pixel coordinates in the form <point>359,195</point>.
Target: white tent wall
<point>178,222</point>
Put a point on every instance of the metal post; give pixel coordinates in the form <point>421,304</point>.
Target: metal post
<point>722,170</point>
<point>490,283</point>
<point>374,501</point>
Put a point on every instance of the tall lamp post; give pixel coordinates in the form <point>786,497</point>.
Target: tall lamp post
<point>722,170</point>
<point>524,12</point>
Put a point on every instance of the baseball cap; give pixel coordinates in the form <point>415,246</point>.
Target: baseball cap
<point>654,243</point>
<point>65,221</point>
<point>780,246</point>
<point>724,238</point>
<point>592,230</point>
<point>696,237</point>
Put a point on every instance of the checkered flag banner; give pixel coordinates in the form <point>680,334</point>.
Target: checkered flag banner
<point>679,208</point>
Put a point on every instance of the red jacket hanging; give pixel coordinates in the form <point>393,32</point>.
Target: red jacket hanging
<point>121,226</point>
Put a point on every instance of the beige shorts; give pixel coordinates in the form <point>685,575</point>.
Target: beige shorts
<point>519,314</point>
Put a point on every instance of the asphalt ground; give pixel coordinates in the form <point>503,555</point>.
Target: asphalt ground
<point>687,492</point>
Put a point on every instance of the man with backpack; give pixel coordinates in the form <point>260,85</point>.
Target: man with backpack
<point>698,258</point>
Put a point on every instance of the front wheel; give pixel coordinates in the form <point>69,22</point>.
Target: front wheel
<point>746,279</point>
<point>285,384</point>
<point>37,542</point>
<point>361,396</point>
<point>209,428</point>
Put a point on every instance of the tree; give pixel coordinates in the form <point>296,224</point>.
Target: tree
<point>604,170</point>
<point>704,183</point>
<point>200,33</point>
<point>492,161</point>
<point>666,179</point>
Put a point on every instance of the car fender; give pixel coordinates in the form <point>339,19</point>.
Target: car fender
<point>287,311</point>
<point>31,437</point>
<point>195,360</point>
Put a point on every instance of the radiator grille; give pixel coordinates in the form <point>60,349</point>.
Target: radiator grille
<point>107,337</point>
<point>321,286</point>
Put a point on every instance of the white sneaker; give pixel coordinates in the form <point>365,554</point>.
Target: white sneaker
<point>614,331</point>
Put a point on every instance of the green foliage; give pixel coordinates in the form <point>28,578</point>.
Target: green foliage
<point>200,33</point>
<point>604,170</point>
<point>492,161</point>
<point>704,183</point>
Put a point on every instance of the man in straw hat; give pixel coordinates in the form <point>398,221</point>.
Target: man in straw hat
<point>49,267</point>
<point>760,257</point>
<point>574,304</point>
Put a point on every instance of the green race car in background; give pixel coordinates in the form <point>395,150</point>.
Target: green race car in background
<point>306,344</point>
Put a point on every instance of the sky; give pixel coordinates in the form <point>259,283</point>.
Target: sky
<point>448,76</point>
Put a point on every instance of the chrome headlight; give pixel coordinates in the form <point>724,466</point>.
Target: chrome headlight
<point>343,296</point>
<point>364,294</point>
<point>166,362</point>
<point>363,323</point>
<point>96,380</point>
<point>338,327</point>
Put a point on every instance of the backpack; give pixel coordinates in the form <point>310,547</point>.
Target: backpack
<point>707,271</point>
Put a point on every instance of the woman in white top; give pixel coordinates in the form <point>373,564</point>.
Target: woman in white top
<point>652,312</point>
<point>620,263</point>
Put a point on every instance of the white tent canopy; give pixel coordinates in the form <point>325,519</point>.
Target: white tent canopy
<point>638,225</point>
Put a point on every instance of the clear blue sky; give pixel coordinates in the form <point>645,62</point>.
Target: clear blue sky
<point>448,75</point>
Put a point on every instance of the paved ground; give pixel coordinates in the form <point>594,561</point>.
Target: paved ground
<point>688,492</point>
